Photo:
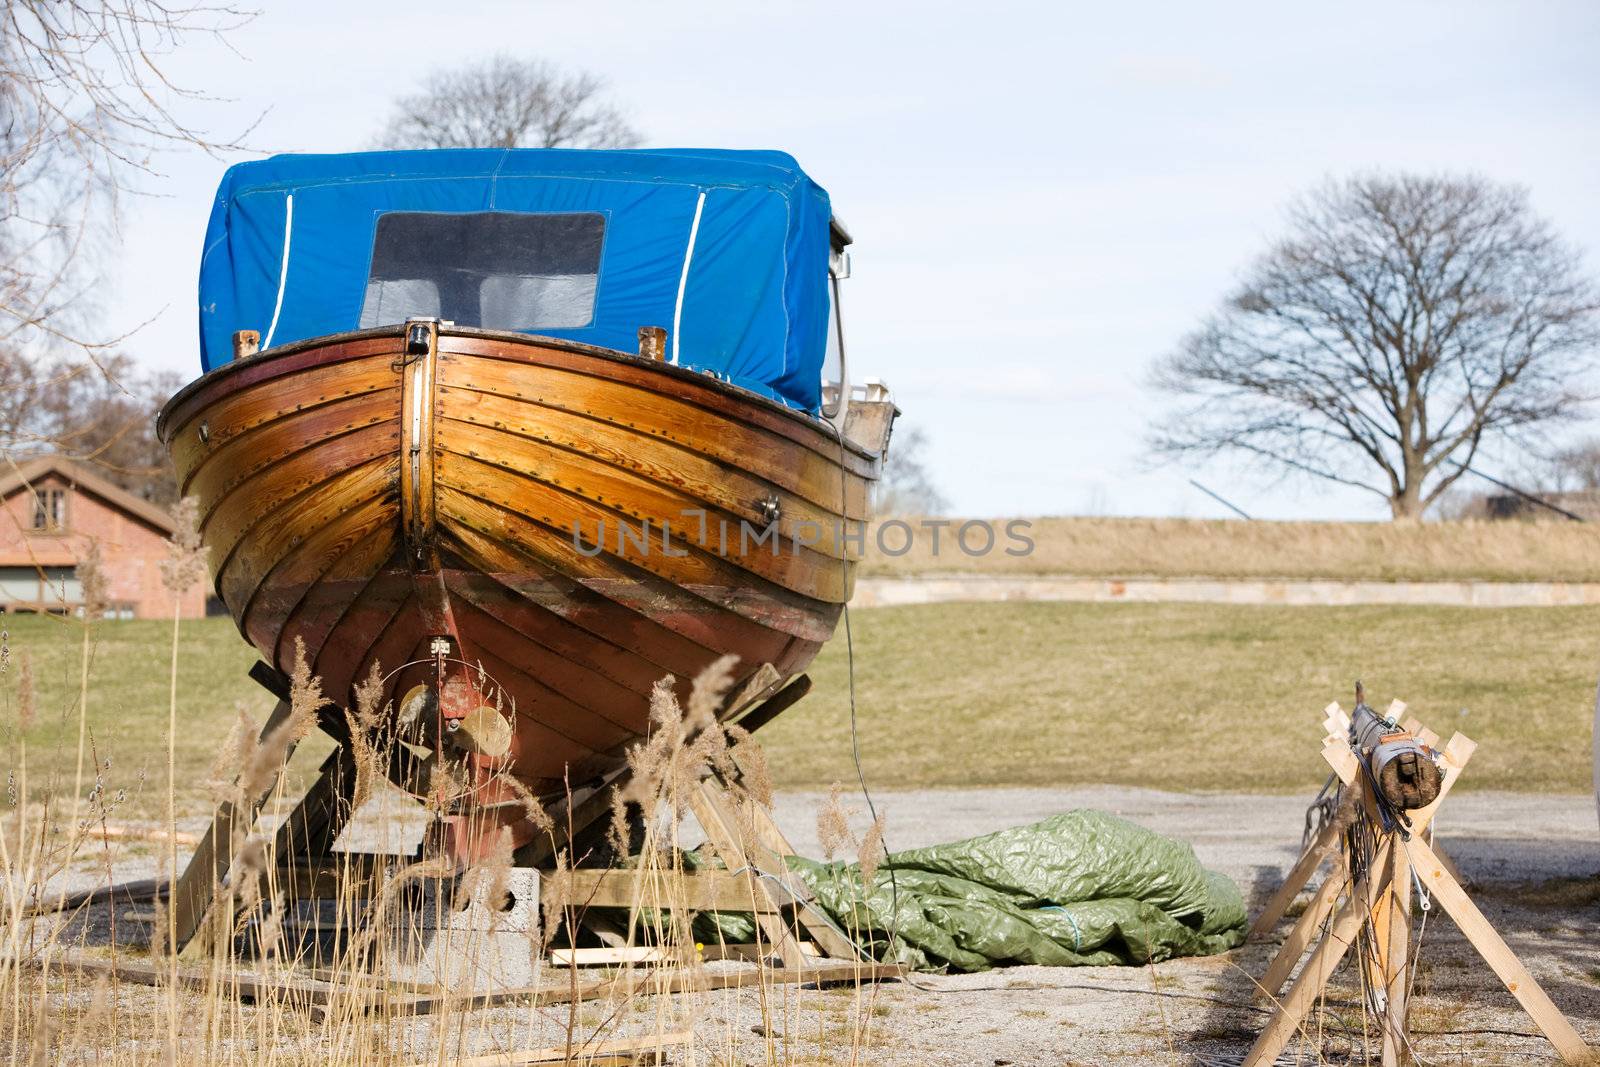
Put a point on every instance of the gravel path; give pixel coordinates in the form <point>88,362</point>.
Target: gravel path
<point>1533,859</point>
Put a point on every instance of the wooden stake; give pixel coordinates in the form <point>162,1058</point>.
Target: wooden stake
<point>1398,975</point>
<point>1498,955</point>
<point>197,887</point>
<point>1294,1008</point>
<point>1322,846</point>
<point>1305,931</point>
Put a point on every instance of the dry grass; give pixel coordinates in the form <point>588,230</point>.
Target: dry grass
<point>128,703</point>
<point>1380,551</point>
<point>1170,695</point>
<point>59,1002</point>
<point>1060,694</point>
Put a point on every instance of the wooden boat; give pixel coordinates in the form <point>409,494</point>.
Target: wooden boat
<point>567,523</point>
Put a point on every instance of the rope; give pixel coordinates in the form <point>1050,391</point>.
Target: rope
<point>1077,935</point>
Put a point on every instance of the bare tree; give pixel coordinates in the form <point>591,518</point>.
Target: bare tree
<point>1575,467</point>
<point>105,416</point>
<point>1405,322</point>
<point>906,486</point>
<point>85,108</point>
<point>504,102</point>
<point>86,103</point>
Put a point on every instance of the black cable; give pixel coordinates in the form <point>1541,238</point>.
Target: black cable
<point>850,670</point>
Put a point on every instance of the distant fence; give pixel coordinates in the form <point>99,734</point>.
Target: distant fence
<point>944,588</point>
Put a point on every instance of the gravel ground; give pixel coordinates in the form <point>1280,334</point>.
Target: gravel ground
<point>1534,861</point>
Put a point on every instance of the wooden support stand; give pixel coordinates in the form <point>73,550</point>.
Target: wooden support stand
<point>1375,888</point>
<point>796,942</point>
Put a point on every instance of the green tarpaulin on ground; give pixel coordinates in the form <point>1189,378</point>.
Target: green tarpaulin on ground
<point>1080,888</point>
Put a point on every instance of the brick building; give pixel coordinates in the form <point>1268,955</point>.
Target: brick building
<point>50,510</point>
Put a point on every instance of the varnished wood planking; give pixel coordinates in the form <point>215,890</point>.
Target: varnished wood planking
<point>663,381</point>
<point>328,602</point>
<point>654,585</point>
<point>305,570</point>
<point>236,513</point>
<point>630,504</point>
<point>276,401</point>
<point>278,533</point>
<point>238,462</point>
<point>566,665</point>
<point>710,481</point>
<point>802,470</point>
<point>543,582</point>
<point>299,482</point>
<point>351,646</point>
<point>288,360</point>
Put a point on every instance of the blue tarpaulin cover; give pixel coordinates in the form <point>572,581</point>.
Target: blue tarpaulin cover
<point>726,249</point>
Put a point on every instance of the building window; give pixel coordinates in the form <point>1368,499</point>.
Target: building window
<point>49,589</point>
<point>50,509</point>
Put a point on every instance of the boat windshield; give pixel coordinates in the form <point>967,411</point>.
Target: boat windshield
<point>499,270</point>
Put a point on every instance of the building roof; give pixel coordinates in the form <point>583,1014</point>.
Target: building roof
<point>20,476</point>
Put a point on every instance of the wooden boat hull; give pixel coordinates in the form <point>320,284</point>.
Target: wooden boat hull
<point>578,522</point>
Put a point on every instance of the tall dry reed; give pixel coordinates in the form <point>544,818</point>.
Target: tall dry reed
<point>72,990</point>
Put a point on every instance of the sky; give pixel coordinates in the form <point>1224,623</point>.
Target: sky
<point>1044,197</point>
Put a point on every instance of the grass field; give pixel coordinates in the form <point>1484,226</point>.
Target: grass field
<point>1176,696</point>
<point>1182,548</point>
<point>1185,696</point>
<point>129,687</point>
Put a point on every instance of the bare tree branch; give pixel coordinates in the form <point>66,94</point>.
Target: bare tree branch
<point>1405,320</point>
<point>504,102</point>
<point>86,107</point>
<point>906,487</point>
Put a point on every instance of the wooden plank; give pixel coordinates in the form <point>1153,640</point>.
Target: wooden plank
<point>770,708</point>
<point>137,891</point>
<point>316,820</point>
<point>196,890</point>
<point>587,1051</point>
<point>749,953</point>
<point>1308,987</point>
<point>1306,866</point>
<point>1304,931</point>
<point>608,957</point>
<point>625,986</point>
<point>1397,974</point>
<point>384,997</point>
<point>1335,721</point>
<point>622,888</point>
<point>285,988</point>
<point>1498,955</point>
<point>771,838</point>
<point>1444,858</point>
<point>341,874</point>
<point>119,832</point>
<point>1342,760</point>
<point>721,827</point>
